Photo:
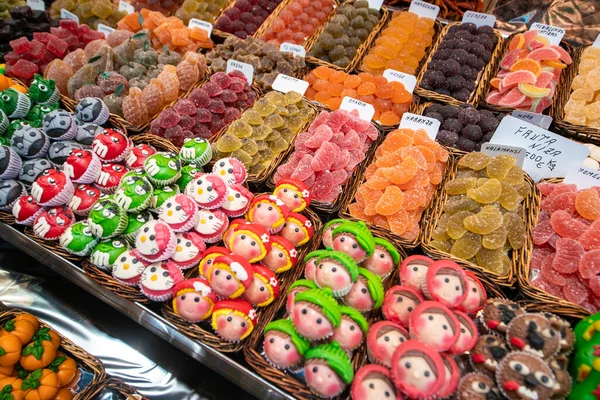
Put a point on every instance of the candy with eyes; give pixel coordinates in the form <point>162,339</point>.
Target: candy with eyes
<point>53,222</point>
<point>233,320</point>
<point>264,288</point>
<point>111,145</point>
<point>78,239</point>
<point>445,282</point>
<point>524,376</point>
<point>399,302</point>
<point>156,241</point>
<point>189,250</point>
<point>196,150</point>
<point>373,382</point>
<point>328,231</point>
<point>366,293</point>
<point>476,295</point>
<point>434,324</point>
<point>180,212</point>
<point>110,177</point>
<point>310,263</point>
<point>354,239</point>
<point>10,192</point>
<point>231,170</point>
<point>498,313</point>
<point>29,142</point>
<point>468,334</point>
<point>384,259</point>
<point>209,256</point>
<point>33,168</point>
<point>135,223</point>
<point>567,336</point>
<point>269,212</point>
<point>413,271</point>
<point>86,133</point>
<point>232,227</point>
<point>83,166</point>
<point>250,241</point>
<point>282,256</point>
<point>107,219</point>
<point>36,114</point>
<point>298,229</point>
<point>563,379</point>
<point>52,188</point>
<point>315,314</point>
<point>476,386</point>
<point>328,370</point>
<point>451,377</point>
<point>14,103</point>
<point>59,151</point>
<point>188,173</point>
<point>284,347</point>
<point>236,201</point>
<point>106,252</point>
<point>417,369</point>
<point>534,334</point>
<point>26,210</point>
<point>293,193</point>
<point>128,268</point>
<point>161,194</point>
<point>208,191</point>
<point>336,271</point>
<point>93,110</point>
<point>83,199</point>
<point>163,168</point>
<point>296,287</point>
<point>134,193</point>
<point>43,91</point>
<point>138,154</point>
<point>60,125</point>
<point>194,300</point>
<point>211,225</point>
<point>488,352</point>
<point>351,331</point>
<point>10,163</point>
<point>229,276</point>
<point>159,279</point>
<point>383,339</point>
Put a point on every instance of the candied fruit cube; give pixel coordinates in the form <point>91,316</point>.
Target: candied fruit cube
<point>24,69</point>
<point>58,47</point>
<point>20,45</point>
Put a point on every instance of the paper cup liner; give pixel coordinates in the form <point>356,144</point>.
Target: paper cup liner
<point>29,221</point>
<point>202,159</point>
<point>123,221</point>
<point>83,213</point>
<point>145,204</point>
<point>165,182</point>
<point>212,239</point>
<point>87,250</point>
<point>130,237</point>
<point>235,214</point>
<point>158,296</point>
<point>61,198</point>
<point>340,292</point>
<point>164,254</point>
<point>128,282</point>
<point>503,364</point>
<point>108,189</point>
<point>189,264</point>
<point>43,150</point>
<point>92,173</point>
<point>53,98</point>
<point>121,157</point>
<point>23,106</point>
<point>14,166</point>
<point>69,134</point>
<point>102,116</point>
<point>4,122</point>
<point>191,222</point>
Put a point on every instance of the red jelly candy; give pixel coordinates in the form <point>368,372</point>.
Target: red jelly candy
<point>575,291</point>
<point>552,275</point>
<point>323,186</point>
<point>320,135</point>
<point>595,285</point>
<point>590,239</point>
<point>20,45</point>
<point>324,157</point>
<point>564,188</point>
<point>303,170</point>
<point>589,265</point>
<point>538,257</point>
<point>562,201</point>
<point>24,69</point>
<point>547,287</point>
<point>568,254</point>
<point>566,226</point>
<point>42,37</point>
<point>542,232</point>
<point>57,46</point>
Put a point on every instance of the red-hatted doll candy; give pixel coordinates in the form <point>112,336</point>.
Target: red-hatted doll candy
<point>233,320</point>
<point>156,241</point>
<point>209,256</point>
<point>128,268</point>
<point>445,282</point>
<point>26,210</point>
<point>373,382</point>
<point>384,259</point>
<point>230,276</point>
<point>180,212</point>
<point>211,225</point>
<point>451,377</point>
<point>189,250</point>
<point>336,271</point>
<point>269,212</point>
<point>310,263</point>
<point>476,295</point>
<point>467,336</point>
<point>417,369</point>
<point>159,279</point>
<point>82,166</point>
<point>231,170</point>
<point>83,199</point>
<point>434,324</point>
<point>207,190</point>
<point>315,314</point>
<point>53,222</point>
<point>194,300</point>
<point>328,231</point>
<point>328,370</point>
<point>367,292</point>
<point>293,193</point>
<point>282,256</point>
<point>137,155</point>
<point>399,302</point>
<point>298,229</point>
<point>354,239</point>
<point>284,347</point>
<point>264,287</point>
<point>110,176</point>
<point>296,287</point>
<point>413,271</point>
<point>231,229</point>
<point>351,331</point>
<point>52,188</point>
<point>111,145</point>
<point>383,339</point>
<point>237,200</point>
<point>250,241</point>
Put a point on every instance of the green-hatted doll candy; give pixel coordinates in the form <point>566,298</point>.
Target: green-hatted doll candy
<point>336,271</point>
<point>367,292</point>
<point>316,314</point>
<point>284,347</point>
<point>328,370</point>
<point>384,260</point>
<point>354,239</point>
<point>352,330</point>
<point>296,287</point>
<point>328,231</point>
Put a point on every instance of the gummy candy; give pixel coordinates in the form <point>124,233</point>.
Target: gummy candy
<point>486,221</point>
<point>567,256</point>
<point>499,166</point>
<point>467,246</point>
<point>134,108</point>
<point>455,227</point>
<point>487,193</point>
<point>566,226</point>
<point>475,161</point>
<point>516,229</point>
<point>496,239</point>
<point>494,260</point>
<point>587,204</point>
<point>460,185</point>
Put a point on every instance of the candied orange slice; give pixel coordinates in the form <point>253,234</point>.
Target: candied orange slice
<point>527,64</point>
<point>391,201</point>
<point>323,72</point>
<point>517,42</point>
<point>402,173</point>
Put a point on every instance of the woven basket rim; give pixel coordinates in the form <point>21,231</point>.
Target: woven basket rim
<point>111,383</point>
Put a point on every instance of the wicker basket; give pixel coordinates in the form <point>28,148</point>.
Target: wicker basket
<point>111,384</point>
<point>551,111</point>
<point>7,217</point>
<point>51,245</point>
<point>359,52</point>
<point>156,141</point>
<point>434,213</point>
<point>131,293</point>
<point>480,84</point>
<point>84,360</point>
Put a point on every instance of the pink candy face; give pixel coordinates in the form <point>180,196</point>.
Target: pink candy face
<point>475,296</point>
<point>348,244</point>
<point>415,274</point>
<point>206,262</point>
<point>435,329</point>
<point>257,292</point>
<point>387,344</point>
<point>246,246</point>
<point>332,275</point>
<point>192,306</point>
<point>291,198</point>
<point>281,351</point>
<point>375,389</point>
<point>415,372</point>
<point>348,334</point>
<point>275,259</point>
<point>265,214</point>
<point>310,269</point>
<point>327,239</point>
<point>380,263</point>
<point>289,305</point>
<point>448,287</point>
<point>359,297</point>
<point>465,337</point>
<point>293,232</point>
<point>309,322</point>
<point>323,380</point>
<point>232,327</point>
<point>403,307</point>
<point>223,282</point>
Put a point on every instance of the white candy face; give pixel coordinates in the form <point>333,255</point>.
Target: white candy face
<point>156,278</point>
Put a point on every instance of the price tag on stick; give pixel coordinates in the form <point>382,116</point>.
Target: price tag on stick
<point>244,68</point>
<point>543,121</point>
<point>553,33</point>
<point>596,42</point>
<point>198,23</point>
<point>38,5</point>
<point>125,6</point>
<point>583,177</point>
<point>107,30</point>
<point>414,121</point>
<point>494,149</point>
<point>365,110</point>
<point>423,9</point>
<point>479,19</point>
<point>295,49</point>
<point>284,83</point>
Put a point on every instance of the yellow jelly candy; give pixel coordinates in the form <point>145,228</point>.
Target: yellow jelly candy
<point>475,161</point>
<point>515,176</point>
<point>494,260</point>
<point>496,239</point>
<point>499,166</point>
<point>510,198</point>
<point>516,230</point>
<point>467,246</point>
<point>460,185</point>
<point>484,222</point>
<point>439,233</point>
<point>460,203</point>
<point>487,193</point>
<point>455,227</point>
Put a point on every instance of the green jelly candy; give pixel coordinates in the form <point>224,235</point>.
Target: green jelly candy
<point>439,233</point>
<point>274,121</point>
<point>243,156</point>
<point>249,146</point>
<point>252,117</point>
<point>264,108</point>
<point>279,145</point>
<point>495,261</point>
<point>261,132</point>
<point>442,245</point>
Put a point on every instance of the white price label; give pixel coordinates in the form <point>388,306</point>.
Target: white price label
<point>66,14</point>
<point>284,83</point>
<point>37,5</point>
<point>583,177</point>
<point>423,9</point>
<point>295,49</point>
<point>596,42</point>
<point>493,150</point>
<point>365,110</point>
<point>414,121</point>
<point>548,154</point>
<point>105,29</point>
<point>479,19</point>
<point>376,4</point>
<point>244,68</point>
<point>409,81</point>
<point>125,6</point>
<point>198,23</point>
<point>553,33</point>
<point>541,120</point>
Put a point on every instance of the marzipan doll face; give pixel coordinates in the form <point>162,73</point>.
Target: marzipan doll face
<point>332,275</point>
<point>192,306</point>
<point>359,296</point>
<point>380,263</point>
<point>416,371</point>
<point>322,379</point>
<point>232,327</point>
<point>310,322</point>
<point>375,386</point>
<point>347,243</point>
<point>348,334</point>
<point>280,350</point>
